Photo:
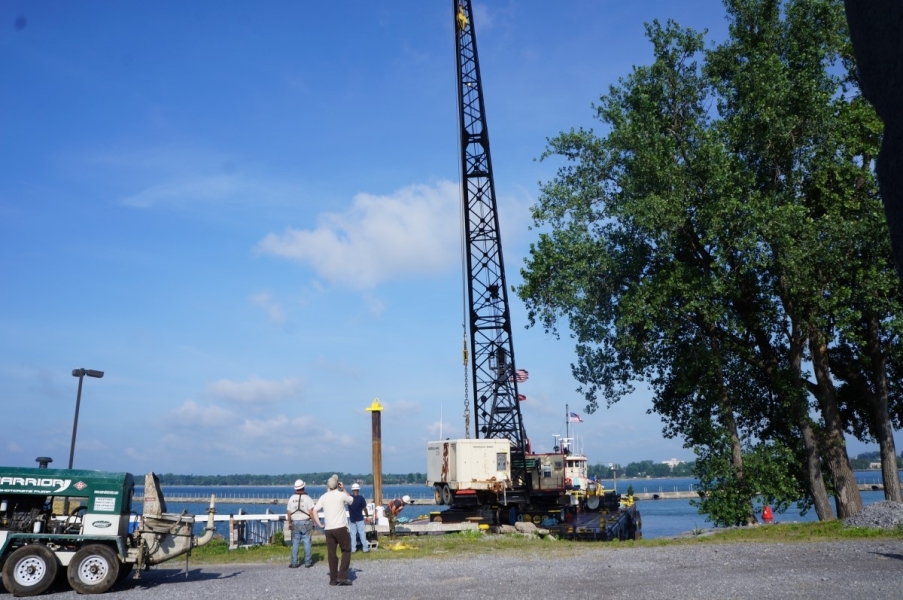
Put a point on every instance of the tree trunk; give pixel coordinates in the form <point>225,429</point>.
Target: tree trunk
<point>816,477</point>
<point>727,415</point>
<point>793,399</point>
<point>834,448</point>
<point>881,427</point>
<point>817,488</point>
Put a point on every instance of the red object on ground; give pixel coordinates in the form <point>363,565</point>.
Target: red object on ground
<point>767,517</point>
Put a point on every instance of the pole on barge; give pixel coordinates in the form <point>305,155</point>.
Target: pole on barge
<point>376,411</point>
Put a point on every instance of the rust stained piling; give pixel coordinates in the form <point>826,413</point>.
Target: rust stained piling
<point>375,409</point>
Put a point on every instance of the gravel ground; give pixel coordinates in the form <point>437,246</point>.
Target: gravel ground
<point>868,569</point>
<point>843,569</point>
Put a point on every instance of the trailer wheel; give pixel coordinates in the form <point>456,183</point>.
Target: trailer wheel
<point>93,569</point>
<point>30,570</point>
<point>447,495</point>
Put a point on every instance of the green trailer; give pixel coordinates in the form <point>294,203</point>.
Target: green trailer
<point>83,522</point>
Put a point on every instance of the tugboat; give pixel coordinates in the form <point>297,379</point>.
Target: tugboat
<point>594,512</point>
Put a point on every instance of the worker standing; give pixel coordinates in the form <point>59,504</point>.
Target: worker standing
<point>300,524</point>
<point>394,509</point>
<point>358,515</point>
<point>333,504</point>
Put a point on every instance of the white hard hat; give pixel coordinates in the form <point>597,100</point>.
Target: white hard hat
<point>406,499</point>
<point>299,484</point>
<point>355,486</point>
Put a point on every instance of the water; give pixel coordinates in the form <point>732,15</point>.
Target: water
<point>661,518</point>
<point>229,500</point>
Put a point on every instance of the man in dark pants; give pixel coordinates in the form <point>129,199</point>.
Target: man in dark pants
<point>333,504</point>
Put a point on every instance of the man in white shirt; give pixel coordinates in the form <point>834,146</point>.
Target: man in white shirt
<point>333,504</point>
<point>298,519</point>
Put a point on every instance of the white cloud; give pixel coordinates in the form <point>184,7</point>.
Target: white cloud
<point>482,17</point>
<point>414,231</point>
<point>443,429</point>
<point>375,305</point>
<point>275,312</point>
<point>248,442</point>
<point>183,176</point>
<point>401,411</point>
<point>255,390</point>
<point>191,414</point>
<point>13,447</point>
<point>213,189</point>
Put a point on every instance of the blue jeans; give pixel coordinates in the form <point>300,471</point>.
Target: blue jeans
<point>301,533</point>
<point>359,530</point>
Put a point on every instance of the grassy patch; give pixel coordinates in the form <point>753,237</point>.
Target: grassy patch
<point>437,546</point>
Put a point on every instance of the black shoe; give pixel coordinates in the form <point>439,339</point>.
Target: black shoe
<point>308,565</point>
<point>333,583</point>
<point>293,566</point>
<point>343,582</point>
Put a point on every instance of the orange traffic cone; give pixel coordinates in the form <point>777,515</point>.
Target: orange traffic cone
<point>767,517</point>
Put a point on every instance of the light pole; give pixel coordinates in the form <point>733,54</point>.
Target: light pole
<point>80,373</point>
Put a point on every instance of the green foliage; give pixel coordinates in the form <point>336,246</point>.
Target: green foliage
<point>772,476</point>
<point>724,229</point>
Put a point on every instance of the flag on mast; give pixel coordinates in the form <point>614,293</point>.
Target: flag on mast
<point>575,418</point>
<point>521,375</point>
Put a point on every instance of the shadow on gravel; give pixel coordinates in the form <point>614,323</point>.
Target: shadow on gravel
<point>149,579</point>
<point>888,555</point>
<point>155,577</point>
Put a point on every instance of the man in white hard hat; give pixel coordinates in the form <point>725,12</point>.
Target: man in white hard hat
<point>298,520</point>
<point>394,509</point>
<point>357,517</point>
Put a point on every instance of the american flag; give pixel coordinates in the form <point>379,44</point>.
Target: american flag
<point>521,397</point>
<point>521,375</point>
<point>575,418</point>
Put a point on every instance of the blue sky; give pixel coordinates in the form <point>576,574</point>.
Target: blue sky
<point>247,216</point>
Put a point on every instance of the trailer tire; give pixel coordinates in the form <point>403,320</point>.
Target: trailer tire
<point>93,570</point>
<point>30,570</point>
<point>447,495</point>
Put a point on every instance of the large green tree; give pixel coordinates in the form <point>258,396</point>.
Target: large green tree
<point>699,246</point>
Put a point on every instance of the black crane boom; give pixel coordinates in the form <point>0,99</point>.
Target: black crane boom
<point>495,396</point>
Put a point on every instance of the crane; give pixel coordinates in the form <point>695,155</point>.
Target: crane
<point>496,476</point>
<point>495,395</point>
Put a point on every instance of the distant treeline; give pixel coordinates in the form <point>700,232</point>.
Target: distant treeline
<point>864,460</point>
<point>289,479</point>
<point>643,468</point>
